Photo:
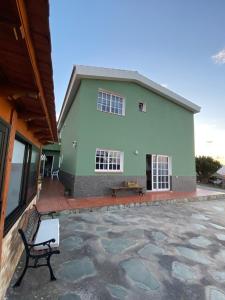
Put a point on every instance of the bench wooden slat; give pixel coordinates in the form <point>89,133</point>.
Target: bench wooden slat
<point>137,187</point>
<point>127,188</point>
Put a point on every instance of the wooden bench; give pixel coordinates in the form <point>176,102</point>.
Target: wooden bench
<point>41,240</point>
<point>128,186</point>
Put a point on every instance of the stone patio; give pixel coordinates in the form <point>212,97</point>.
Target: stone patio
<point>174,251</point>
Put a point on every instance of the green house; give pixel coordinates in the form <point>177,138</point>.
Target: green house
<point>117,125</point>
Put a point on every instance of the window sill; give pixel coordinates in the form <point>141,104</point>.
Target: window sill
<point>111,113</point>
<point>109,172</point>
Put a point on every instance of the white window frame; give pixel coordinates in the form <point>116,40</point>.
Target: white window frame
<point>157,175</point>
<point>110,170</point>
<point>110,96</point>
<point>143,106</point>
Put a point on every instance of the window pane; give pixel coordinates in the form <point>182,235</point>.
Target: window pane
<point>108,160</point>
<point>140,106</point>
<point>3,149</point>
<point>16,176</point>
<point>110,103</point>
<point>33,174</point>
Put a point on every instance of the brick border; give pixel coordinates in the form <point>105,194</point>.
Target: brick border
<point>136,204</point>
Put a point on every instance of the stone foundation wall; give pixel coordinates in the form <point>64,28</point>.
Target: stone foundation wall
<point>183,183</point>
<point>12,249</point>
<point>68,180</point>
<point>99,185</point>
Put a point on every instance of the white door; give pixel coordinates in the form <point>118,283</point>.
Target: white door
<point>160,173</point>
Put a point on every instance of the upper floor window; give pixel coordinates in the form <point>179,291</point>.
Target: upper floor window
<point>108,160</point>
<point>111,103</point>
<point>142,106</point>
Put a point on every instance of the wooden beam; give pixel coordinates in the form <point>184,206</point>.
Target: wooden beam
<point>25,28</point>
<point>45,139</point>
<point>29,95</point>
<point>34,128</point>
<point>42,135</point>
<point>28,100</point>
<point>9,90</point>
<point>7,22</point>
<point>28,116</point>
<point>40,130</point>
<point>7,173</point>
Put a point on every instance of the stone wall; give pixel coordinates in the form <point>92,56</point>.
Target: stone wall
<point>68,180</point>
<point>183,183</point>
<point>99,185</point>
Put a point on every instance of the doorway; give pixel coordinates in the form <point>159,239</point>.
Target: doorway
<point>149,172</point>
<point>157,172</point>
<point>48,166</point>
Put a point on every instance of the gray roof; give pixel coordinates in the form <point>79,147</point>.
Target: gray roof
<point>79,72</point>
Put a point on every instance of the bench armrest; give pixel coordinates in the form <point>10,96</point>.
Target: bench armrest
<point>50,213</point>
<point>42,244</point>
<point>41,214</point>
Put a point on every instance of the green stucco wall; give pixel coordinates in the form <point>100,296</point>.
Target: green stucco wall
<point>51,147</point>
<point>68,134</point>
<point>165,128</point>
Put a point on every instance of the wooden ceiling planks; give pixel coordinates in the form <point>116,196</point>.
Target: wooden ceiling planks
<point>16,67</point>
<point>42,44</point>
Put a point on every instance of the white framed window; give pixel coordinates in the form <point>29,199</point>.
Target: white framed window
<point>142,106</point>
<point>111,103</point>
<point>108,160</point>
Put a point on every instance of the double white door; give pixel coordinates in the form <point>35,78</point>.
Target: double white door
<point>160,173</point>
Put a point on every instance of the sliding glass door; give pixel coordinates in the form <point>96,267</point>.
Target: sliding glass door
<point>160,173</point>
<point>4,131</point>
<point>23,179</point>
<point>16,176</point>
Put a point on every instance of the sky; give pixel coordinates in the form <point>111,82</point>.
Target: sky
<point>177,43</point>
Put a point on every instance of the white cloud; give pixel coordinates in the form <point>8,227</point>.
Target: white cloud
<point>165,85</point>
<point>219,58</point>
<point>57,116</point>
<point>209,141</point>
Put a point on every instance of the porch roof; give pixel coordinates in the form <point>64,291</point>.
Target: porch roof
<point>26,76</point>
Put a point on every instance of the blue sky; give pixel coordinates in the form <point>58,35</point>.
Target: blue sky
<point>176,43</point>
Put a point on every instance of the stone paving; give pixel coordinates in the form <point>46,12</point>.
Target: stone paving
<point>169,252</point>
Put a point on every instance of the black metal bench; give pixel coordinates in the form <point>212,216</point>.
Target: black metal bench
<point>32,249</point>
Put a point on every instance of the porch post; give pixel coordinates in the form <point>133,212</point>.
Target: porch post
<point>12,133</point>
